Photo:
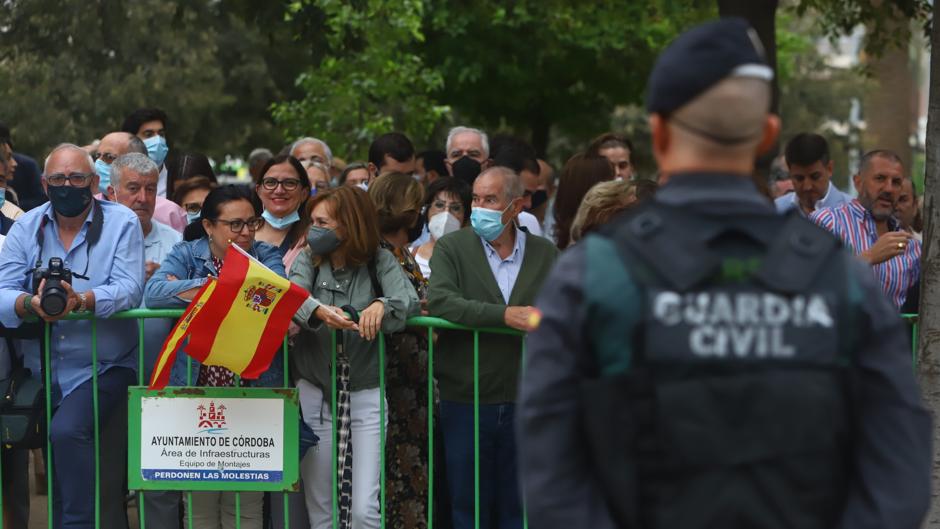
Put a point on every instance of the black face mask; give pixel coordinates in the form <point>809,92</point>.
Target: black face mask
<point>466,169</point>
<point>69,201</point>
<point>538,198</point>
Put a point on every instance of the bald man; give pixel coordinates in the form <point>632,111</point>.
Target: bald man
<point>116,144</point>
<point>704,362</point>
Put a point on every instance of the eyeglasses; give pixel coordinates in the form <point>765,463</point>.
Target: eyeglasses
<point>307,162</point>
<point>453,207</point>
<point>192,207</point>
<point>237,224</point>
<point>76,179</point>
<point>107,157</point>
<point>289,184</point>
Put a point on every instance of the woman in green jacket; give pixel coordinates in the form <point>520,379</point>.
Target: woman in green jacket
<point>358,290</point>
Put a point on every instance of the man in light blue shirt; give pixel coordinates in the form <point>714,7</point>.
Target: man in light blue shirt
<point>506,269</point>
<point>133,184</point>
<point>810,168</point>
<point>102,244</point>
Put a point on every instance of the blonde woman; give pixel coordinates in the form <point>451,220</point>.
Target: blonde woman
<point>600,204</point>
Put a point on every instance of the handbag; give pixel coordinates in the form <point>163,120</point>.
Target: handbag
<point>22,408</point>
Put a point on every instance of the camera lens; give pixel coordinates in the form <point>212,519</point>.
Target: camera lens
<point>53,299</point>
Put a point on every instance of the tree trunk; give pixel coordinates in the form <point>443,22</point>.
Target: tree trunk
<point>889,104</point>
<point>762,15</point>
<point>928,365</point>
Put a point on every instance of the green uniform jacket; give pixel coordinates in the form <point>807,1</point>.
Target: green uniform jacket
<point>463,290</point>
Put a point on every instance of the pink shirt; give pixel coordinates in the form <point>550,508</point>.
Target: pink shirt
<point>169,213</point>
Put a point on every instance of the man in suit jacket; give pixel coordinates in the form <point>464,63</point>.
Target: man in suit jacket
<point>486,275</point>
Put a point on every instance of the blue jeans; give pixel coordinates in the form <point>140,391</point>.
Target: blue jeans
<point>72,432</point>
<point>500,506</point>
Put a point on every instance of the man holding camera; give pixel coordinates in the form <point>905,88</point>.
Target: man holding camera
<point>76,254</point>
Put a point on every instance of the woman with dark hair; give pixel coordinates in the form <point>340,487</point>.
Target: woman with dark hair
<point>579,175</point>
<point>191,193</point>
<point>185,167</point>
<point>399,198</point>
<point>283,189</point>
<point>228,217</point>
<point>343,266</point>
<point>448,209</point>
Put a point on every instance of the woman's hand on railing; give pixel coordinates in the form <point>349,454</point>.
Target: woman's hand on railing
<point>370,320</point>
<point>335,318</point>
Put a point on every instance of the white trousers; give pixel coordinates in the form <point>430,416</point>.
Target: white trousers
<point>317,466</point>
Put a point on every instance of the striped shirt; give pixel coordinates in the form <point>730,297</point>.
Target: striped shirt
<point>856,226</point>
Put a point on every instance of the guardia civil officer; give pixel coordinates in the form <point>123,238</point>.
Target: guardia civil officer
<point>706,363</point>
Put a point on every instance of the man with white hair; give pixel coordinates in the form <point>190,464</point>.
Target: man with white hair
<point>133,184</point>
<point>485,275</point>
<point>308,150</point>
<point>102,244</point>
<point>467,153</point>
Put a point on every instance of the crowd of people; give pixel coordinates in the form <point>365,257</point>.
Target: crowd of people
<point>468,234</point>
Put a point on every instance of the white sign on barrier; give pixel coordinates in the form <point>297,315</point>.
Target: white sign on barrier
<point>212,439</point>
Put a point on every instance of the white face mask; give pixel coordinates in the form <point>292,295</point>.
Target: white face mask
<point>441,224</point>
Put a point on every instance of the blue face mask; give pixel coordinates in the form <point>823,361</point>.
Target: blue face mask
<point>156,149</point>
<point>280,224</point>
<point>192,217</point>
<point>488,223</point>
<point>104,176</point>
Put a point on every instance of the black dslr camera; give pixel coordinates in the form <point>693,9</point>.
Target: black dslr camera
<point>53,299</point>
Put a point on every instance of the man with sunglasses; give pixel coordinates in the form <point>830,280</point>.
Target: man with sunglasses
<point>102,244</point>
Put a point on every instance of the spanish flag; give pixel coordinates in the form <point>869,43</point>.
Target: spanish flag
<point>237,321</point>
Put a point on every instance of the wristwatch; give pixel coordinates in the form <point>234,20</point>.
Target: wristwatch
<point>84,306</point>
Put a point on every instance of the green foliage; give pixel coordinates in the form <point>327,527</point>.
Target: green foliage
<point>531,65</point>
<point>841,17</point>
<point>370,79</point>
<point>70,70</point>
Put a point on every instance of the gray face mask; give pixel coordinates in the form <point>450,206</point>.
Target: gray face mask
<point>322,241</point>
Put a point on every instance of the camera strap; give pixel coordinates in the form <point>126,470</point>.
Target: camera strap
<point>91,238</point>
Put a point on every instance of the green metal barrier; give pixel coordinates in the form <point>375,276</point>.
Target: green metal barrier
<point>431,324</point>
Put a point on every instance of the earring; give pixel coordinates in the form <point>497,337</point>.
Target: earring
<point>230,241</point>
<point>210,238</point>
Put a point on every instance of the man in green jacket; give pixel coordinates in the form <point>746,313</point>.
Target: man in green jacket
<point>485,276</point>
